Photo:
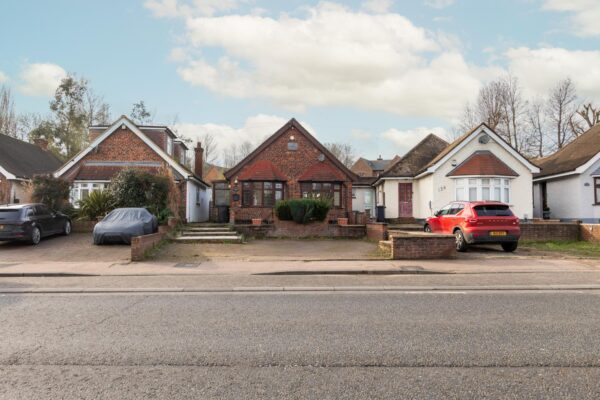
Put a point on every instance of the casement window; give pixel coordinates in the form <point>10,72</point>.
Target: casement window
<point>481,189</point>
<point>221,193</point>
<point>81,190</point>
<point>596,190</point>
<point>329,190</point>
<point>261,194</point>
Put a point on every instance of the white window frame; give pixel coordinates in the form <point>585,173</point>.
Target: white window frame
<point>170,146</point>
<point>465,184</point>
<point>79,186</point>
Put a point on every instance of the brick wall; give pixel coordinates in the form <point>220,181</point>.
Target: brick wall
<point>141,244</point>
<point>83,226</point>
<point>413,246</point>
<point>290,229</point>
<point>590,232</point>
<point>544,231</point>
<point>292,164</point>
<point>362,168</point>
<point>376,231</point>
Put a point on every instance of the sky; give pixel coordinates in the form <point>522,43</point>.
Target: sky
<point>379,74</point>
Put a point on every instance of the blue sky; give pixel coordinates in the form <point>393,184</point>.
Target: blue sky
<point>377,73</point>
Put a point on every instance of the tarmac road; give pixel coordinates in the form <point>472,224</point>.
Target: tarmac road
<point>350,345</point>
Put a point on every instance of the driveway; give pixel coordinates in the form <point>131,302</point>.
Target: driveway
<point>76,247</point>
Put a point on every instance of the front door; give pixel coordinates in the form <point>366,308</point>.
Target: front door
<point>405,200</point>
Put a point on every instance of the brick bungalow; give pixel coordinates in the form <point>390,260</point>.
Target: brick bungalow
<point>19,162</point>
<point>289,164</point>
<point>150,148</point>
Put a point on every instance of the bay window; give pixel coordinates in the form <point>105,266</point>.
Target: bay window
<point>81,190</point>
<point>261,194</point>
<point>328,190</point>
<point>481,189</point>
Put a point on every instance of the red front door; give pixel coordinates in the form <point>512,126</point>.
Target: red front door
<point>405,200</point>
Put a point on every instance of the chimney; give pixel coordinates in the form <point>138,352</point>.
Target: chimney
<point>198,160</point>
<point>41,143</point>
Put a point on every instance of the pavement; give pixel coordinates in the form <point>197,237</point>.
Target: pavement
<point>308,345</point>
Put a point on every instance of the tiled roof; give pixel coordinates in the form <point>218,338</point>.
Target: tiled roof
<point>104,173</point>
<point>364,181</point>
<point>262,170</point>
<point>321,172</point>
<point>417,158</point>
<point>483,163</point>
<point>378,165</point>
<point>24,160</point>
<point>573,155</point>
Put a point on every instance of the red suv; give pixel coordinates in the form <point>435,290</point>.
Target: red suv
<point>474,222</point>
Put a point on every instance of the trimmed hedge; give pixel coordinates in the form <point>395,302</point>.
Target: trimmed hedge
<point>302,211</point>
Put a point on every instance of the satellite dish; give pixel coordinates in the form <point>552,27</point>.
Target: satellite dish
<point>484,139</point>
<point>321,157</point>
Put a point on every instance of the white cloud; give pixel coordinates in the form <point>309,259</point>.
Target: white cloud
<point>178,8</point>
<point>378,6</point>
<point>333,57</point>
<point>439,3</point>
<point>361,135</point>
<point>255,130</point>
<point>585,14</point>
<point>540,69</point>
<point>178,54</point>
<point>41,79</point>
<point>407,139</point>
<point>3,77</point>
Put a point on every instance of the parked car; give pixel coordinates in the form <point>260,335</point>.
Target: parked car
<point>477,222</point>
<point>121,224</point>
<point>31,222</point>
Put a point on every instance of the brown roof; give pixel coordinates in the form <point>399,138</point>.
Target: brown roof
<point>214,173</point>
<point>365,181</point>
<point>484,163</point>
<point>321,172</point>
<point>417,158</point>
<point>292,122</point>
<point>262,170</point>
<point>105,173</point>
<point>573,155</point>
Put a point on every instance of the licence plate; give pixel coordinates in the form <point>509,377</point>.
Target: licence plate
<point>498,233</point>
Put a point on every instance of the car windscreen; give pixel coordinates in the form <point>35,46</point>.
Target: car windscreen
<point>493,210</point>
<point>9,214</point>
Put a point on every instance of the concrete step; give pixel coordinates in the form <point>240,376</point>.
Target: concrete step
<point>212,233</point>
<point>208,239</point>
<point>206,225</point>
<point>207,229</point>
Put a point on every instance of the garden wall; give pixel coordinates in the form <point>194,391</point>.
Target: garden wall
<point>421,245</point>
<point>590,232</point>
<point>550,231</point>
<point>83,226</point>
<point>290,229</point>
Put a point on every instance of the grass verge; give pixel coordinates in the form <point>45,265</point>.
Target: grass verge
<point>578,248</point>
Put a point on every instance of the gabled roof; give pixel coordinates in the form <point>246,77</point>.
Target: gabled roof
<point>321,172</point>
<point>22,160</point>
<point>574,155</point>
<point>262,170</point>
<point>123,120</point>
<point>482,163</point>
<point>379,164</point>
<point>296,125</point>
<point>417,157</point>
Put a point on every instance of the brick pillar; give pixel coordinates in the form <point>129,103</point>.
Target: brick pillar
<point>199,160</point>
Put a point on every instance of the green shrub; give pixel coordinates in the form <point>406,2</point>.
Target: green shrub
<point>97,204</point>
<point>163,215</point>
<point>282,208</point>
<point>135,188</point>
<point>51,191</point>
<point>303,211</point>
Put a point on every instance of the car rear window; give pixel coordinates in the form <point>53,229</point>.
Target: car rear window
<point>493,210</point>
<point>9,214</point>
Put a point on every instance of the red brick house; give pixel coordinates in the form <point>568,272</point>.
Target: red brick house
<point>150,148</point>
<point>289,164</point>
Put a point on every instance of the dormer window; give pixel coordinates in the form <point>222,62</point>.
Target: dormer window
<point>182,157</point>
<point>170,146</point>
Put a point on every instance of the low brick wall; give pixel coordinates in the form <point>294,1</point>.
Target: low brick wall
<point>377,230</point>
<point>590,232</point>
<point>415,246</point>
<point>290,229</point>
<point>555,231</point>
<point>141,244</point>
<point>83,226</point>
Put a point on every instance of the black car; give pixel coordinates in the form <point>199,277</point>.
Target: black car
<point>31,222</point>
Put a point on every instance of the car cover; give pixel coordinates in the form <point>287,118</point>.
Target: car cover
<point>121,224</point>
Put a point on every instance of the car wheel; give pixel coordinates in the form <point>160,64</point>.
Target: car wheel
<point>36,235</point>
<point>67,228</point>
<point>427,228</point>
<point>510,247</point>
<point>461,243</point>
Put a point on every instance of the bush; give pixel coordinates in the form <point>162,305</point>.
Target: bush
<point>303,211</point>
<point>51,191</point>
<point>163,215</point>
<point>97,204</point>
<point>135,188</point>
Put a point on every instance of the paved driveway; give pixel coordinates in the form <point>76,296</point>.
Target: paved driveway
<point>77,247</point>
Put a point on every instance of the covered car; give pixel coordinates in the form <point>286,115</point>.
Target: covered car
<point>121,224</point>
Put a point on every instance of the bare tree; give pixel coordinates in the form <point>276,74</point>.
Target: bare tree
<point>490,103</point>
<point>559,109</point>
<point>236,153</point>
<point>343,152</point>
<point>513,121</point>
<point>8,117</point>
<point>584,118</point>
<point>140,113</point>
<point>98,112</point>
<point>210,147</point>
<point>537,127</point>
